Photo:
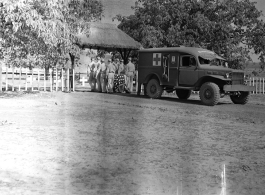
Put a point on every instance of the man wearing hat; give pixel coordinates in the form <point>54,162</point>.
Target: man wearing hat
<point>121,67</point>
<point>130,71</point>
<point>102,75</point>
<point>91,70</point>
<point>97,75</point>
<point>110,74</point>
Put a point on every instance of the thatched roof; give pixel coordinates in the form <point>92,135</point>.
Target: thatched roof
<point>107,36</point>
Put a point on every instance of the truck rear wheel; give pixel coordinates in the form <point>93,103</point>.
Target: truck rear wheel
<point>183,94</point>
<point>209,94</point>
<point>241,98</point>
<point>153,89</point>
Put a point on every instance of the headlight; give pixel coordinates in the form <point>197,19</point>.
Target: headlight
<point>227,75</point>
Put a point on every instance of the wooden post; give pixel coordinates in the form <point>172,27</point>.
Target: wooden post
<point>256,82</point>
<point>19,83</point>
<point>6,78</point>
<point>68,79</point>
<point>32,88</point>
<point>56,77</point>
<point>73,77</point>
<point>38,80</point>
<point>263,86</point>
<point>136,81</point>
<point>44,79</point>
<point>13,83</point>
<point>260,85</point>
<point>1,75</point>
<point>253,84</point>
<point>26,88</point>
<point>62,80</point>
<point>50,71</point>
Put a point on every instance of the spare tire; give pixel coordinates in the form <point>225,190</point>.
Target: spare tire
<point>183,94</point>
<point>242,98</point>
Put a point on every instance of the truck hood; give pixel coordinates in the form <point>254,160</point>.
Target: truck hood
<point>218,68</point>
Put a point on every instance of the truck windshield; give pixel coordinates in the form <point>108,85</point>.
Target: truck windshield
<point>213,62</point>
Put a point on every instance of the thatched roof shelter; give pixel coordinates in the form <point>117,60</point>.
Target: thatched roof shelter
<point>108,37</point>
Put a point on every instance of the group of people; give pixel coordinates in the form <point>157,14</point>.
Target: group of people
<point>101,74</point>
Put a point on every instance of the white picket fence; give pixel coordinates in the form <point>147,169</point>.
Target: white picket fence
<point>59,80</point>
<point>25,79</point>
<point>258,82</point>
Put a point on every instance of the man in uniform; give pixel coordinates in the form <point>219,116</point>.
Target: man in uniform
<point>91,70</point>
<point>110,74</point>
<point>130,71</point>
<point>121,67</point>
<point>97,75</point>
<point>102,75</point>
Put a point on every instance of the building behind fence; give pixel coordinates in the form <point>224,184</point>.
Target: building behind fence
<point>20,79</point>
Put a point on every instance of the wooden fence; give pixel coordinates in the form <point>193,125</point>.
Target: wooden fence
<point>36,80</point>
<point>59,80</point>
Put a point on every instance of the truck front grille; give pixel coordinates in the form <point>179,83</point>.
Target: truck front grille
<point>237,78</point>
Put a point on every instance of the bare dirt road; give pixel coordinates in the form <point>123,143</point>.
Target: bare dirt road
<point>91,143</point>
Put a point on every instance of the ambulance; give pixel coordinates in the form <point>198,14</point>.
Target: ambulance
<point>187,69</point>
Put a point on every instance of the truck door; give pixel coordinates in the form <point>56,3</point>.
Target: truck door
<point>173,69</point>
<point>188,74</point>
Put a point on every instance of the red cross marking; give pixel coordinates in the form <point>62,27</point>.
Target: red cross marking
<point>157,59</point>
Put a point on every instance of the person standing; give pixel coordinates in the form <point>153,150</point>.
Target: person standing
<point>102,72</point>
<point>110,74</point>
<point>91,70</point>
<point>97,75</point>
<point>121,68</point>
<point>130,71</point>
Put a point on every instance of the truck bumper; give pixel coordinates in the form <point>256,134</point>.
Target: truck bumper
<point>228,88</point>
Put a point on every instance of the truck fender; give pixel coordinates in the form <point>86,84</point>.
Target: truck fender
<point>218,79</point>
<point>152,75</point>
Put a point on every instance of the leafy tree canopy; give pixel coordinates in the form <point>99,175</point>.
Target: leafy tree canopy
<point>42,32</point>
<point>231,28</point>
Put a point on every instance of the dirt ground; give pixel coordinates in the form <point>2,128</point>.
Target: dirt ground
<point>119,144</point>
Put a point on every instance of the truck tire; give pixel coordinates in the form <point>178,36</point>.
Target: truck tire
<point>153,89</point>
<point>209,94</point>
<point>242,98</point>
<point>183,94</point>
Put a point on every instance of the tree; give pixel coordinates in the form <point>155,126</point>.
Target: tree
<point>42,33</point>
<point>228,27</point>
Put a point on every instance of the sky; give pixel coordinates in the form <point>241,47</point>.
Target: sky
<point>123,7</point>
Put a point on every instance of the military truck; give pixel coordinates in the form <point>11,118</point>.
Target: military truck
<point>187,69</point>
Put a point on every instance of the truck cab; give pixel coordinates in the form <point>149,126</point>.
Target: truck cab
<point>186,69</point>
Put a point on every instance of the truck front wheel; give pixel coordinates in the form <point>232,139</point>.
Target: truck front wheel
<point>209,94</point>
<point>153,89</point>
<point>183,94</point>
<point>241,98</point>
